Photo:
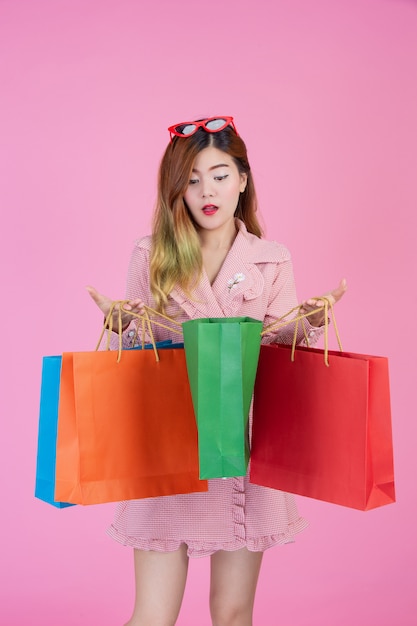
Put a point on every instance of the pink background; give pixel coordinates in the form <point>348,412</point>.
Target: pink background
<point>325,95</point>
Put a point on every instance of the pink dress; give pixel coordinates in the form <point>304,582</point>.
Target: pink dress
<point>233,513</point>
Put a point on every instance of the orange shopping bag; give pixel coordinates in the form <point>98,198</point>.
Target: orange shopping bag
<point>323,432</point>
<point>126,429</point>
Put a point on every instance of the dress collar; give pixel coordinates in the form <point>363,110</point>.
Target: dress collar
<point>239,278</point>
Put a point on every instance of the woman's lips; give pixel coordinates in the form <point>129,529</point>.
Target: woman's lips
<point>209,209</point>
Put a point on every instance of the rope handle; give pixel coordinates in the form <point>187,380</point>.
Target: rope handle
<point>152,319</point>
<point>281,322</point>
<point>147,322</point>
<point>108,324</point>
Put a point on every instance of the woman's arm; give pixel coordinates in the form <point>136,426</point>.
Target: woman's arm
<point>135,296</point>
<point>283,298</point>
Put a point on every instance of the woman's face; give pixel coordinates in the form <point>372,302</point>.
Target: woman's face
<point>214,188</point>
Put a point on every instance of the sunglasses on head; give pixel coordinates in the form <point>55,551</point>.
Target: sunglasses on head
<point>210,125</point>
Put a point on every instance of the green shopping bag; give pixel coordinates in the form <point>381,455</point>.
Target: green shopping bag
<point>222,359</point>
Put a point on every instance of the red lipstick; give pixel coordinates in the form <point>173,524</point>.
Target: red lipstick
<point>209,209</point>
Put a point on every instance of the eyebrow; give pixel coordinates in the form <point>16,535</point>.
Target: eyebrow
<point>212,168</point>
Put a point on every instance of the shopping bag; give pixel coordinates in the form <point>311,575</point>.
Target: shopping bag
<point>323,432</point>
<point>47,432</point>
<point>222,356</point>
<point>126,429</point>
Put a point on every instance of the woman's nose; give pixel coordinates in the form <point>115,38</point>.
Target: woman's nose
<point>207,189</point>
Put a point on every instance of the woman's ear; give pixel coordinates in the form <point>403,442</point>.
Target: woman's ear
<point>243,182</point>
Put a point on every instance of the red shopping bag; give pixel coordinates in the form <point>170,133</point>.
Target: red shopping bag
<point>126,429</point>
<point>323,432</point>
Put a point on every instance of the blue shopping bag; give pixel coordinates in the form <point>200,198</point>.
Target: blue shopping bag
<point>167,343</point>
<point>47,433</point>
<point>48,424</point>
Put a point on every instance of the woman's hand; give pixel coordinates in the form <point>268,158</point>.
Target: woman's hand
<point>317,319</point>
<point>104,303</point>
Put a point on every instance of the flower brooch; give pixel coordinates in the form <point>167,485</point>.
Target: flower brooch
<point>237,278</point>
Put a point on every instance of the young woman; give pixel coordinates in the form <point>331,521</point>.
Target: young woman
<point>206,258</point>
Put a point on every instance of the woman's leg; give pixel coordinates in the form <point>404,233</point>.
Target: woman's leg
<point>160,582</point>
<point>234,576</point>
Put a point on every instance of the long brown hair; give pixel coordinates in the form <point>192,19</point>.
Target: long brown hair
<point>176,258</point>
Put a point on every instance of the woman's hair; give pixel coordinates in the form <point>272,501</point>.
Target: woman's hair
<point>176,258</point>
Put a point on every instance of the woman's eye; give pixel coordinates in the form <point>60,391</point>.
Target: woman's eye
<point>221,177</point>
<point>193,181</point>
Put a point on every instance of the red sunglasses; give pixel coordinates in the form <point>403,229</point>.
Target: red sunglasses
<point>210,125</point>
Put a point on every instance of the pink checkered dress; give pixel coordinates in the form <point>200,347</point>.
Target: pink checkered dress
<point>256,280</point>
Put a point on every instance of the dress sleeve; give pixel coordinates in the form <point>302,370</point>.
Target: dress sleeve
<point>137,286</point>
<point>282,299</point>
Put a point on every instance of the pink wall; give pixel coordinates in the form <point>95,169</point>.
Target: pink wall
<point>325,95</point>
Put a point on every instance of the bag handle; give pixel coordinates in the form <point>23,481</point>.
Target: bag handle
<point>300,317</point>
<point>278,324</point>
<point>108,325</point>
<point>152,319</point>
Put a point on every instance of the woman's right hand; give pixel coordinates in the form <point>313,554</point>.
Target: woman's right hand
<point>104,304</point>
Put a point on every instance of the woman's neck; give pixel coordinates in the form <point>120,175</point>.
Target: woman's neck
<point>219,239</point>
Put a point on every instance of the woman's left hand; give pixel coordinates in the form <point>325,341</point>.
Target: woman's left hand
<point>317,319</point>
